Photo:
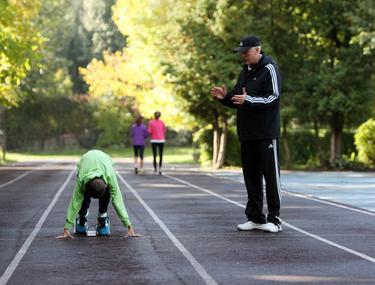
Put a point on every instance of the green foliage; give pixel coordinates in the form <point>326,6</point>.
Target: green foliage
<point>45,119</point>
<point>113,125</point>
<point>135,73</point>
<point>176,51</point>
<point>365,142</point>
<point>302,144</point>
<point>103,34</point>
<point>92,31</point>
<point>233,154</point>
<point>334,86</point>
<point>19,43</point>
<point>198,55</point>
<point>203,138</point>
<point>362,26</point>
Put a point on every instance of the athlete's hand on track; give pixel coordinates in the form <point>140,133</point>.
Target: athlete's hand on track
<point>131,233</point>
<point>219,92</point>
<point>239,99</point>
<point>65,235</point>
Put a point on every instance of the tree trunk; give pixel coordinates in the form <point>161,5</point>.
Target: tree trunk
<point>215,142</point>
<point>317,143</point>
<point>223,144</point>
<point>3,131</point>
<point>337,125</point>
<point>220,129</point>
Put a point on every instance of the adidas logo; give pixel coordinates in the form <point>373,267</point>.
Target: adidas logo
<point>270,146</point>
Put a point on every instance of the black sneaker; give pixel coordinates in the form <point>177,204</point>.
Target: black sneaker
<point>135,170</point>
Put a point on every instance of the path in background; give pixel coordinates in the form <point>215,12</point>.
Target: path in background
<point>351,188</point>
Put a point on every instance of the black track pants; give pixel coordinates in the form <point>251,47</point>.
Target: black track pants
<point>155,147</point>
<point>260,159</point>
<point>103,203</point>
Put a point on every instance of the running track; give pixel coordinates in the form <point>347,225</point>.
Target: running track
<point>187,218</point>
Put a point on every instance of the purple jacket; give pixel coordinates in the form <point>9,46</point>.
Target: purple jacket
<point>138,134</point>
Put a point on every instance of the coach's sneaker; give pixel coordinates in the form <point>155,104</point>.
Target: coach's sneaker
<point>249,226</point>
<point>103,226</point>
<point>81,227</point>
<point>272,228</point>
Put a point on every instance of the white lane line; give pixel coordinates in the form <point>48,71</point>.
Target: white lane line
<point>307,197</point>
<point>21,176</point>
<point>17,259</point>
<point>369,258</point>
<point>197,266</point>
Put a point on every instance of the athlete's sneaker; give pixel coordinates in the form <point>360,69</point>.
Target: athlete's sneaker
<point>160,173</point>
<point>155,172</point>
<point>103,226</point>
<point>249,226</point>
<point>272,228</point>
<point>135,170</point>
<point>81,227</point>
<point>140,172</point>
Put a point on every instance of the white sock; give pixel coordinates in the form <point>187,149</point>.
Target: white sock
<point>102,215</point>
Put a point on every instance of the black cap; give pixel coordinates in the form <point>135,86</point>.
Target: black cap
<point>247,42</point>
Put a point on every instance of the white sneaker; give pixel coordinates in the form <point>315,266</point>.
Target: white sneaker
<point>272,228</point>
<point>249,226</point>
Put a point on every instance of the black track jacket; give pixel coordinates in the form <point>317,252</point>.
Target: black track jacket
<point>259,116</point>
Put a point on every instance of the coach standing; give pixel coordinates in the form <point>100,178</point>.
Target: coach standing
<point>256,96</point>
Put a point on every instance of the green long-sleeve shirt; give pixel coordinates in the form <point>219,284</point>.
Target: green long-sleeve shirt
<point>92,164</point>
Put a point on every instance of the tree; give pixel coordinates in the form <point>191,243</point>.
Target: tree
<point>334,79</point>
<point>363,26</point>
<point>91,32</point>
<point>135,74</point>
<point>19,42</point>
<point>197,47</point>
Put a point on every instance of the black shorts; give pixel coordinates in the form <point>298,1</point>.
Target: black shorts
<point>139,148</point>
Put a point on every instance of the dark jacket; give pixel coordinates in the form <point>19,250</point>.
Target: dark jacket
<point>259,116</point>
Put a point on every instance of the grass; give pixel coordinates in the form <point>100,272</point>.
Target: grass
<point>173,155</point>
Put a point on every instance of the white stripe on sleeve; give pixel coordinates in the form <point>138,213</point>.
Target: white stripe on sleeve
<point>275,88</point>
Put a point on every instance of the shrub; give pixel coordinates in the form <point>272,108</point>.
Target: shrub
<point>233,151</point>
<point>203,138</point>
<point>365,142</point>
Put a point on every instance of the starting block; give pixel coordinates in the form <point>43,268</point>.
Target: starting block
<point>91,234</point>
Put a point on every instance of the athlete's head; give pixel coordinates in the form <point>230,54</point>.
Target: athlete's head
<point>96,188</point>
<point>157,115</point>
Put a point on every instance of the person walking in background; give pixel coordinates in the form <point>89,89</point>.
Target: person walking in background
<point>157,131</point>
<point>256,96</point>
<point>138,134</point>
